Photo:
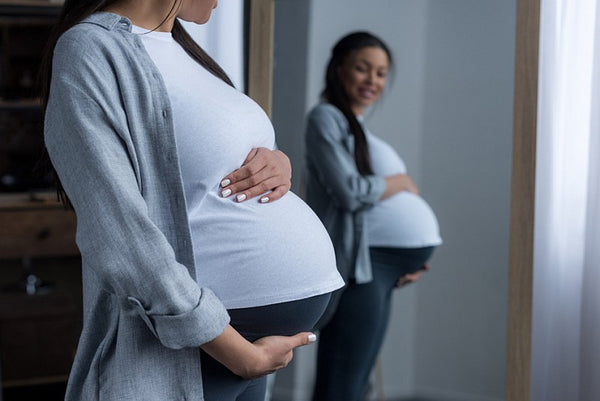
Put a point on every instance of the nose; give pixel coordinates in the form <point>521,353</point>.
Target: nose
<point>372,76</point>
<point>369,78</point>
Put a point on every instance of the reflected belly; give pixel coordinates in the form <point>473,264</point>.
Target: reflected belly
<point>403,220</point>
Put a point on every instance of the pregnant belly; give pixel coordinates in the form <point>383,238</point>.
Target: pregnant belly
<point>403,220</point>
<point>253,254</point>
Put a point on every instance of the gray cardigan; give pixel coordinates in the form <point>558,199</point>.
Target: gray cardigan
<point>109,133</point>
<point>338,193</point>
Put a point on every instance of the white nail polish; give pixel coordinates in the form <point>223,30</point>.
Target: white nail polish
<point>225,182</point>
<point>312,338</point>
<point>226,193</point>
<point>264,199</point>
<point>241,197</point>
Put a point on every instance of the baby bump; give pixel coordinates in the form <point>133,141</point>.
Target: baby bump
<point>404,220</point>
<point>253,255</point>
<point>286,318</point>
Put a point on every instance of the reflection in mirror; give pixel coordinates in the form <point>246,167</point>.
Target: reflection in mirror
<point>448,113</point>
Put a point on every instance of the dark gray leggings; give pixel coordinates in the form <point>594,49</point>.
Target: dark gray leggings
<point>350,341</point>
<point>287,318</point>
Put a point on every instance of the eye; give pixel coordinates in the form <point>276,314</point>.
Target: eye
<point>382,74</point>
<point>360,68</point>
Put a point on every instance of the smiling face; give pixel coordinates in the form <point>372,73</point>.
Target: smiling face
<point>363,74</point>
<point>197,11</point>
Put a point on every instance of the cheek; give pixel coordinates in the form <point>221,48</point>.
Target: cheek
<point>353,80</point>
<point>349,88</point>
<point>196,11</point>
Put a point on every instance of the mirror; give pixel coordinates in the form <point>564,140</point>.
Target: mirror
<point>448,112</point>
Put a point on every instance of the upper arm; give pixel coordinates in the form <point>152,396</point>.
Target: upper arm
<point>333,163</point>
<point>86,136</point>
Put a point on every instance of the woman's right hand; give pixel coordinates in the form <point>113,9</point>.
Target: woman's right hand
<point>251,360</point>
<point>264,172</point>
<point>275,352</point>
<point>398,183</point>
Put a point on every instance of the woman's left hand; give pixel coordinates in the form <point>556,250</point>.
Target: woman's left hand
<point>263,170</point>
<point>413,277</point>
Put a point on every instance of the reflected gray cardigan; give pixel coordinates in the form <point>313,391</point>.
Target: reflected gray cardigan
<point>338,193</point>
<point>109,134</point>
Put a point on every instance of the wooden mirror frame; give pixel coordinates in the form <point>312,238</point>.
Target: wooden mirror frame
<point>520,283</point>
<point>260,54</point>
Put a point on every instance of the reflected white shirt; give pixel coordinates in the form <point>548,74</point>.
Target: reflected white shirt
<point>403,220</point>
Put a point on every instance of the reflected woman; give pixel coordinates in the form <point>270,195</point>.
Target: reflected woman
<point>383,232</point>
<point>193,287</point>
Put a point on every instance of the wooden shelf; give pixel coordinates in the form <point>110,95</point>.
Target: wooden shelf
<point>10,201</point>
<point>28,12</point>
<point>35,381</point>
<point>32,3</point>
<point>22,104</point>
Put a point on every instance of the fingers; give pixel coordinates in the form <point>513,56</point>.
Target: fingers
<point>302,339</point>
<point>251,155</point>
<point>256,185</point>
<point>278,351</point>
<point>276,194</point>
<point>408,278</point>
<point>402,281</point>
<point>246,177</point>
<point>293,342</point>
<point>411,186</point>
<point>263,172</point>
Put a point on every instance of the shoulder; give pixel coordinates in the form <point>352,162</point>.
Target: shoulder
<point>326,111</point>
<point>326,117</point>
<point>93,39</point>
<point>95,55</point>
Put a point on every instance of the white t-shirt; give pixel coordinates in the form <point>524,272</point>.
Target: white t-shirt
<point>403,220</point>
<point>250,254</point>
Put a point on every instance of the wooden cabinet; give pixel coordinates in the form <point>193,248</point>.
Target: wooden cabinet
<point>24,30</point>
<point>32,223</point>
<point>35,227</point>
<point>37,332</point>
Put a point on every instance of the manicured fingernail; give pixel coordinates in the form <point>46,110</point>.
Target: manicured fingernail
<point>264,199</point>
<point>225,182</point>
<point>226,193</point>
<point>241,197</point>
<point>312,338</point>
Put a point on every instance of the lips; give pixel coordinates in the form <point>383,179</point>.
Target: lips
<point>367,93</point>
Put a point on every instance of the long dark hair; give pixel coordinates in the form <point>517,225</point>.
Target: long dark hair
<point>335,94</point>
<point>75,11</point>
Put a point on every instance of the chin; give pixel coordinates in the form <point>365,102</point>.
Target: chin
<point>200,21</point>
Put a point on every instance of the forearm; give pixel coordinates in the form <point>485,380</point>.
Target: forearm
<point>249,360</point>
<point>234,352</point>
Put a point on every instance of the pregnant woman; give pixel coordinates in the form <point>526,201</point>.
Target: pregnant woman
<point>193,288</point>
<point>382,230</point>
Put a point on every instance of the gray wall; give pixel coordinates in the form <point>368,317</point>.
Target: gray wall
<point>466,148</point>
<point>448,113</point>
